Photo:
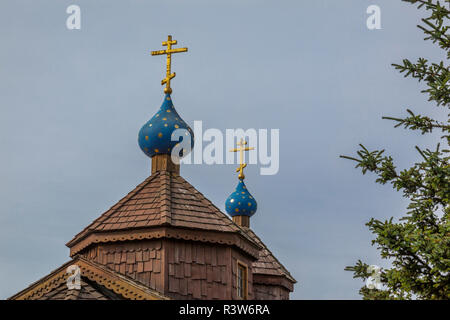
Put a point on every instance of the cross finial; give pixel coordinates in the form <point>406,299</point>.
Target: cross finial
<point>241,150</point>
<point>169,52</point>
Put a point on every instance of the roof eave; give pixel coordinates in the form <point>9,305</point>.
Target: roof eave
<point>170,232</point>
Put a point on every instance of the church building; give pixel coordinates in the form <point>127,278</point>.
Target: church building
<point>164,239</point>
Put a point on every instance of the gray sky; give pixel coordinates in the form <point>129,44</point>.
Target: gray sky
<point>73,101</point>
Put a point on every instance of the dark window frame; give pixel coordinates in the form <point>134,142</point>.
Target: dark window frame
<point>242,280</point>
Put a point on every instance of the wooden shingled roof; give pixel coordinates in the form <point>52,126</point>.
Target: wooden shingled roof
<point>166,199</point>
<point>97,283</point>
<point>163,199</point>
<point>267,264</point>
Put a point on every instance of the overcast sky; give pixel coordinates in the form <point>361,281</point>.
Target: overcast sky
<point>73,101</point>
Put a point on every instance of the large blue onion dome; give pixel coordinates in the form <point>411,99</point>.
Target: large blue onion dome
<point>240,202</point>
<point>155,137</point>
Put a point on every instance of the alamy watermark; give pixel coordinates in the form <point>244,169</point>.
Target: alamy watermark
<point>373,22</point>
<point>73,21</point>
<point>212,146</point>
<point>73,282</point>
<point>374,280</point>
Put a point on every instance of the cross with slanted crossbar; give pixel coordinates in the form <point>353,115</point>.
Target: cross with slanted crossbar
<point>169,52</point>
<point>241,150</point>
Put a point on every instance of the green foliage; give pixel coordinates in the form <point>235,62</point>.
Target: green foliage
<point>418,245</point>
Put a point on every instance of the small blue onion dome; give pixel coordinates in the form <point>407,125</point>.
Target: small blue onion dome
<point>155,137</point>
<point>240,202</point>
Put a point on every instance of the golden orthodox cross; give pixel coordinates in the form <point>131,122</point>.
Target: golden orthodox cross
<point>169,52</point>
<point>241,150</point>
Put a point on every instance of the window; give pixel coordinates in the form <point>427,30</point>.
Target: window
<point>242,271</point>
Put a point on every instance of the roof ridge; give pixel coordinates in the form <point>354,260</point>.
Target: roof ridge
<point>119,276</point>
<point>200,196</point>
<point>165,196</point>
<point>163,199</point>
<point>130,194</point>
<point>102,276</point>
<point>218,213</point>
<point>115,207</point>
<point>273,256</point>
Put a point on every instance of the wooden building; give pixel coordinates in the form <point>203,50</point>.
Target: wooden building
<point>165,240</point>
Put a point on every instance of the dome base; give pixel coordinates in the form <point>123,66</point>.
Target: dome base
<point>243,221</point>
<point>163,162</point>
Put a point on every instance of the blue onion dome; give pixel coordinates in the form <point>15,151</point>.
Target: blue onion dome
<point>155,137</point>
<point>240,202</point>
